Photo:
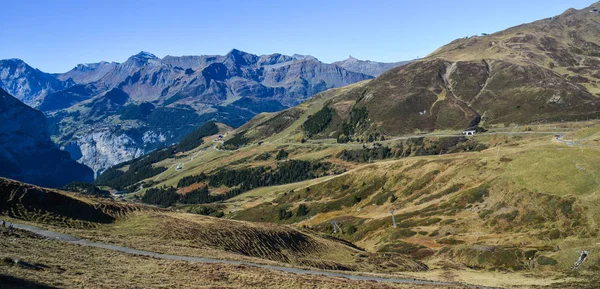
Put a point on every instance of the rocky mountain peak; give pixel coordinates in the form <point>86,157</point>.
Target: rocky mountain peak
<point>141,59</point>
<point>101,117</point>
<point>304,57</point>
<point>145,55</point>
<point>240,58</point>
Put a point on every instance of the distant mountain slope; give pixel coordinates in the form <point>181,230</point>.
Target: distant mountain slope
<point>87,73</point>
<point>68,97</point>
<point>27,83</point>
<point>368,67</point>
<point>178,95</point>
<point>26,152</point>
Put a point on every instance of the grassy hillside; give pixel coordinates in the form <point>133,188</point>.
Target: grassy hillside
<point>486,203</point>
<point>165,231</point>
<point>36,204</point>
<point>91,267</point>
<point>530,198</point>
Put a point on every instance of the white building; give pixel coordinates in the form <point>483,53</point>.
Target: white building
<point>469,132</point>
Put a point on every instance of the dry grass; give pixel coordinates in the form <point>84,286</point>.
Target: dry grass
<point>90,267</point>
<point>530,174</point>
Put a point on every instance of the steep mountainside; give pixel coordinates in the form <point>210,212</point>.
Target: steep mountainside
<point>26,152</point>
<point>28,84</point>
<point>369,67</point>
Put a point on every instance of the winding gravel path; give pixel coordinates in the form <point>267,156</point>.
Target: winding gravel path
<point>75,240</point>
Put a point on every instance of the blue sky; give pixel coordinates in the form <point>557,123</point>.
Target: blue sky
<point>56,35</point>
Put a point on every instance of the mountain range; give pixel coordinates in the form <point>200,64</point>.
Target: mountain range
<point>107,112</point>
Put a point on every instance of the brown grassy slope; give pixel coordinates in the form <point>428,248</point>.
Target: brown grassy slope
<point>99,268</point>
<point>36,204</point>
<point>148,228</point>
<point>481,210</point>
<point>538,71</point>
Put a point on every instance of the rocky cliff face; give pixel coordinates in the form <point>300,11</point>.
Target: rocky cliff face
<point>26,152</point>
<point>102,148</point>
<point>28,84</point>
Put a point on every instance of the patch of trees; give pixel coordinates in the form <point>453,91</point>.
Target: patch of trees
<point>85,188</point>
<point>287,172</point>
<point>415,146</point>
<point>452,145</point>
<point>239,181</point>
<point>136,112</point>
<point>302,210</point>
<point>246,179</point>
<point>164,197</point>
<point>235,142</point>
<point>284,214</point>
<point>282,155</point>
<point>317,122</point>
<point>194,139</point>
<point>139,169</point>
<point>356,117</point>
<point>190,180</point>
<point>198,196</point>
<point>207,211</point>
<point>297,170</point>
<point>366,154</point>
<point>342,138</point>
